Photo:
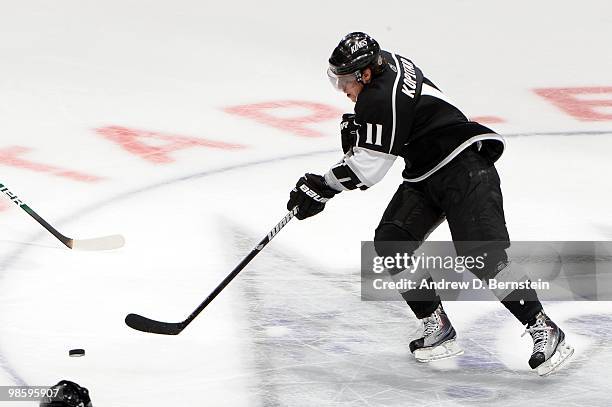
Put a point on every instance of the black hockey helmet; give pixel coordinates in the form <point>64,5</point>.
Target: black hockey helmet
<point>69,394</point>
<point>355,52</point>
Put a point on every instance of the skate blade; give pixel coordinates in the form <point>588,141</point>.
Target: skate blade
<point>443,351</point>
<point>563,352</point>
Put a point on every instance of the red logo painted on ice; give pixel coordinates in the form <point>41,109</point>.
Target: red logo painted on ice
<point>275,114</point>
<point>145,144</point>
<point>585,104</point>
<point>11,156</point>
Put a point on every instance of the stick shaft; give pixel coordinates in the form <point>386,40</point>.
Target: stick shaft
<point>65,240</point>
<point>241,265</point>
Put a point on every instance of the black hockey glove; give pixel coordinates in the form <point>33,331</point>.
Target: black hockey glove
<point>309,195</point>
<point>348,131</point>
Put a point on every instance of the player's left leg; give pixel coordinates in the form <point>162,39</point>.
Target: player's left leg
<point>409,218</point>
<point>471,197</point>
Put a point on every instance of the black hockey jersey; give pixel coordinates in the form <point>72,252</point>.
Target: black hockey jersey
<point>402,113</point>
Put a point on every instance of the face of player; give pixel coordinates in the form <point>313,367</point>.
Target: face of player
<point>348,84</point>
<point>352,90</point>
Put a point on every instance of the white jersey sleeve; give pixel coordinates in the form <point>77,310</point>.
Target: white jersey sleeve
<point>360,168</point>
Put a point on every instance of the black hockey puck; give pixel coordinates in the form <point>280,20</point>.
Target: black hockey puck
<point>76,352</point>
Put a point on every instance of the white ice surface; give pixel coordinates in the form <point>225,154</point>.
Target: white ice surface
<point>291,330</point>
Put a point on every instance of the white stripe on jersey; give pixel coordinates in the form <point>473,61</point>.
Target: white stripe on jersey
<point>455,153</point>
<point>393,109</point>
<point>428,90</point>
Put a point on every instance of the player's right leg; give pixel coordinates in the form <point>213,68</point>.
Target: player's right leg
<point>409,218</point>
<point>471,197</point>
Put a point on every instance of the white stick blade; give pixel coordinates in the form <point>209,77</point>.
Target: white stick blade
<point>99,243</point>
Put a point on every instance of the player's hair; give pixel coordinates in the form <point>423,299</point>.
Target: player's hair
<point>378,66</point>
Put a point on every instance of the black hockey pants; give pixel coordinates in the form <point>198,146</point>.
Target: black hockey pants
<point>466,192</point>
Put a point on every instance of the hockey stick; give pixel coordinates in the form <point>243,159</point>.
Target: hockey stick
<point>144,324</point>
<point>99,243</point>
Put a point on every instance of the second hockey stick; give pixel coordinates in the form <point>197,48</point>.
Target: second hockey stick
<point>98,243</point>
<point>145,324</point>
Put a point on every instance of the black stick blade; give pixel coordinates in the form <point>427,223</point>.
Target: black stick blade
<point>144,324</point>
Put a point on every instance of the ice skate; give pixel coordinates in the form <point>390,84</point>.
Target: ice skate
<point>438,340</point>
<point>549,348</point>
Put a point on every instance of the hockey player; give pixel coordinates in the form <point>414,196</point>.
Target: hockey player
<point>449,174</point>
